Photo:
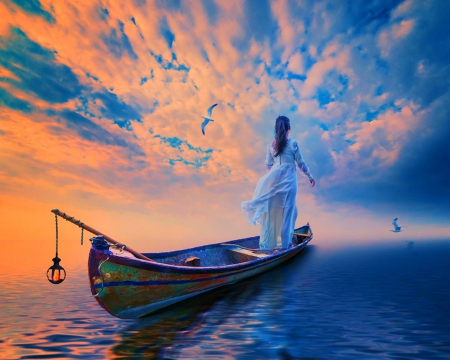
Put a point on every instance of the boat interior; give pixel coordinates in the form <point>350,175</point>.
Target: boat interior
<point>222,254</point>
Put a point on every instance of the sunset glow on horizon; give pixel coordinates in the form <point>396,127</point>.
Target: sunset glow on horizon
<point>101,105</point>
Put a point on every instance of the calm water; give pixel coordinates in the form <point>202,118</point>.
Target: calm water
<point>384,301</point>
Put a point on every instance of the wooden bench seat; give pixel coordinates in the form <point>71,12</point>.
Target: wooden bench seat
<point>240,254</point>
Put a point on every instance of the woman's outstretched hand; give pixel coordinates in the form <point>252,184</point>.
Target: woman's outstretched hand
<point>313,182</point>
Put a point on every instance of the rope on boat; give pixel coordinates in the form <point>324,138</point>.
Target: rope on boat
<point>56,222</point>
<point>101,275</point>
<point>71,219</point>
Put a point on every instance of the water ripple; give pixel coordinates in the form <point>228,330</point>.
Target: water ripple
<point>371,302</point>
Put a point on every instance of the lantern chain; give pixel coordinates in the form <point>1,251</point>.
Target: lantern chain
<point>82,230</point>
<point>56,222</point>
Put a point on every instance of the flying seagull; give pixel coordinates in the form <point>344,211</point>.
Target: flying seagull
<point>396,227</point>
<point>207,118</point>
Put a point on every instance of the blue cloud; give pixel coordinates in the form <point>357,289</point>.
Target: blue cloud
<point>34,7</point>
<point>90,131</point>
<point>197,163</point>
<point>118,44</point>
<point>257,23</point>
<point>177,143</point>
<point>6,99</point>
<point>169,65</point>
<point>37,68</point>
<point>308,61</point>
<point>166,32</point>
<point>103,13</point>
<point>350,18</point>
<point>114,108</point>
<point>171,5</point>
<point>291,75</point>
<point>323,97</point>
<point>379,90</point>
<point>205,55</point>
<point>83,106</point>
<point>317,155</point>
<point>371,115</point>
<point>140,2</point>
<point>343,80</point>
<point>145,78</point>
<point>382,66</point>
<point>92,77</point>
<point>211,10</point>
<point>371,15</point>
<point>416,183</point>
<point>418,66</point>
<point>280,72</point>
<point>259,20</point>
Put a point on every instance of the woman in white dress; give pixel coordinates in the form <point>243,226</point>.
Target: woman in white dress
<point>273,203</point>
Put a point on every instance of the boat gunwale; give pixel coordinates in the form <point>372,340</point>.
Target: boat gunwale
<point>201,247</point>
<point>168,268</point>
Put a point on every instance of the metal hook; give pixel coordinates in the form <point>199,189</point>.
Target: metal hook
<point>101,275</point>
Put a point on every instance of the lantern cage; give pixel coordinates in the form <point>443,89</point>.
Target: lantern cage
<point>56,273</point>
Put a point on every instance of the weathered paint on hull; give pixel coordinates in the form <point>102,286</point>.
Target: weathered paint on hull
<point>134,288</point>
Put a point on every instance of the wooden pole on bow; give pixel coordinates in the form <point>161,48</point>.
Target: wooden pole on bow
<point>96,232</point>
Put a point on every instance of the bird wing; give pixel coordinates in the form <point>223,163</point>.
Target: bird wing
<point>210,109</point>
<point>204,123</point>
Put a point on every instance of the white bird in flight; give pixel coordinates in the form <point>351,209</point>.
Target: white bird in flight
<point>207,118</point>
<point>396,227</point>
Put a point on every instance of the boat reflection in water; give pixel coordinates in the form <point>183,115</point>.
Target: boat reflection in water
<point>171,331</point>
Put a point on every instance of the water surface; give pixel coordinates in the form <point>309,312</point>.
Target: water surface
<point>387,301</point>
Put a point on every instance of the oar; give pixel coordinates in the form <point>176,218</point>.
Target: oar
<point>93,231</point>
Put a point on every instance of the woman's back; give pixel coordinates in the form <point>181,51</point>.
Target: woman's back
<point>289,156</point>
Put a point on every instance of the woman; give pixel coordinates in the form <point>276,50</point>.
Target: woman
<point>273,204</point>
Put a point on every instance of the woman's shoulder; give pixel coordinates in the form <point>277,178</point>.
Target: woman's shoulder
<point>293,144</point>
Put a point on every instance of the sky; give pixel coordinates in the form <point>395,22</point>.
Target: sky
<point>101,105</point>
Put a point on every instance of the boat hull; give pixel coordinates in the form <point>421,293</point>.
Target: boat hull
<point>128,287</point>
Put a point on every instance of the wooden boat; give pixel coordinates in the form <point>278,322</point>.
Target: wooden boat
<point>130,287</point>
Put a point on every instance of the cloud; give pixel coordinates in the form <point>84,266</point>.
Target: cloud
<point>107,101</point>
<point>211,10</point>
<point>179,144</point>
<point>172,5</point>
<point>91,131</point>
<point>118,44</point>
<point>399,166</point>
<point>37,69</point>
<point>169,65</point>
<point>34,7</point>
<point>6,99</point>
<point>166,33</point>
<point>315,76</point>
<point>258,24</point>
<point>111,107</point>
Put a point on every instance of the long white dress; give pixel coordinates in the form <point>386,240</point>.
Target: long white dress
<point>273,203</point>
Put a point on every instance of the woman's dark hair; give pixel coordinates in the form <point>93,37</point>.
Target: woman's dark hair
<point>282,125</point>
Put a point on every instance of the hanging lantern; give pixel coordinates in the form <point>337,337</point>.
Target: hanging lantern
<point>56,273</point>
